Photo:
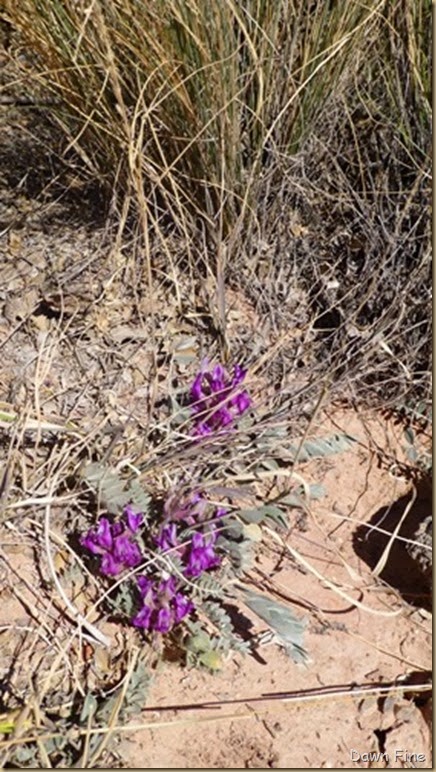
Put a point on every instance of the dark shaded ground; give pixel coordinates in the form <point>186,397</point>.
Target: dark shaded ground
<point>400,571</point>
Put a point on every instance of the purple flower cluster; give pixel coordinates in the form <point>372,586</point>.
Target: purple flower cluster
<point>201,555</point>
<point>163,606</point>
<point>191,510</point>
<point>216,402</point>
<point>115,543</point>
<point>189,528</point>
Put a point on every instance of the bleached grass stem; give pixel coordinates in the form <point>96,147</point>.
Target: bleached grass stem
<point>82,621</point>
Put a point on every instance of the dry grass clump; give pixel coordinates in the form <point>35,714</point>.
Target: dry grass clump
<point>289,145</point>
<point>343,247</point>
<point>182,101</point>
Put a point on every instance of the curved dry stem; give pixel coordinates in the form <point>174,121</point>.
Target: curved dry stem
<point>97,636</point>
<point>309,567</point>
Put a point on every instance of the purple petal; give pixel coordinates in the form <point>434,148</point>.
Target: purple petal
<point>180,506</point>
<point>218,378</point>
<point>143,617</point>
<point>224,417</point>
<point>164,621</point>
<point>243,402</point>
<point>238,375</point>
<point>213,560</point>
<point>202,430</point>
<point>144,585</point>
<point>167,537</point>
<point>104,533</point>
<point>167,588</point>
<point>117,529</point>
<point>195,565</point>
<point>212,393</point>
<point>134,519</point>
<point>90,543</point>
<point>220,512</point>
<point>182,607</point>
<point>127,552</point>
<point>197,388</point>
<point>110,566</point>
<point>197,540</point>
<point>202,555</point>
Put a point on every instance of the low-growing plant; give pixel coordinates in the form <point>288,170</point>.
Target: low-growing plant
<point>173,567</point>
<point>171,558</point>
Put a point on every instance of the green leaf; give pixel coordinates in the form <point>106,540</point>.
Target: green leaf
<point>211,659</point>
<point>409,435</point>
<point>113,491</point>
<point>89,707</point>
<point>228,638</point>
<point>209,586</point>
<point>288,628</point>
<point>233,529</point>
<point>124,600</point>
<point>321,447</point>
<point>198,643</point>
<point>260,514</point>
<point>6,727</point>
<point>251,515</point>
<point>298,499</point>
<point>252,532</point>
<point>180,415</point>
<point>107,484</point>
<point>139,498</point>
<point>270,464</point>
<point>137,690</point>
<point>293,500</point>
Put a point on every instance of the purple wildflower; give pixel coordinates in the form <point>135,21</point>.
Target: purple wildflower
<point>99,540</point>
<point>134,519</point>
<point>238,375</point>
<point>167,588</point>
<point>145,585</point>
<point>113,541</point>
<point>242,402</point>
<point>127,551</point>
<point>162,607</point>
<point>164,621</point>
<point>202,555</point>
<point>220,512</point>
<point>182,606</point>
<point>215,400</point>
<point>189,507</point>
<point>109,566</point>
<point>163,604</point>
<point>143,617</point>
<point>167,537</point>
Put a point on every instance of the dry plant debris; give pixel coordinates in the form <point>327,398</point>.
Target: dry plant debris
<point>215,422</point>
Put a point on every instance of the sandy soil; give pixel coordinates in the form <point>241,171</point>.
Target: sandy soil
<point>378,642</point>
<point>375,633</point>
